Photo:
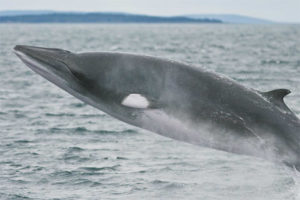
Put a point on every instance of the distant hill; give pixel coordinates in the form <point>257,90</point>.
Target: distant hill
<point>233,19</point>
<point>82,17</point>
<point>24,12</point>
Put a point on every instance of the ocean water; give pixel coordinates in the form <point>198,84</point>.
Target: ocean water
<point>52,146</point>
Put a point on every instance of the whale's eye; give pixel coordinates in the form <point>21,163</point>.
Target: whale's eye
<point>136,101</point>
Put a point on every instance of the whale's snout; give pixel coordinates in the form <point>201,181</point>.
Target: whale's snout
<point>20,48</point>
<point>24,48</point>
<point>43,59</point>
<point>28,48</point>
<point>40,53</point>
<point>52,64</point>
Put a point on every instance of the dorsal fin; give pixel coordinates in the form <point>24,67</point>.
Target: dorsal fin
<point>277,94</point>
<point>276,97</point>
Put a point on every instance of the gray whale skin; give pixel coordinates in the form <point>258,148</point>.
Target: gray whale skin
<point>175,100</point>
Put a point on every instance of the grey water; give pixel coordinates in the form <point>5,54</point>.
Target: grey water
<point>52,146</point>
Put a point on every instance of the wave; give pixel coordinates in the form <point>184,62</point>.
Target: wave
<point>84,130</point>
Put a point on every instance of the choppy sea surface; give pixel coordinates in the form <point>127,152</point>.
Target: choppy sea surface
<point>53,146</point>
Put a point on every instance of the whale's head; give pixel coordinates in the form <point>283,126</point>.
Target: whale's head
<point>122,85</point>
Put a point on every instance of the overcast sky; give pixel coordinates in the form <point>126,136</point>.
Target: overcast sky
<point>277,10</point>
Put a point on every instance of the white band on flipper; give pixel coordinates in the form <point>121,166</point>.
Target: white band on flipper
<point>136,101</point>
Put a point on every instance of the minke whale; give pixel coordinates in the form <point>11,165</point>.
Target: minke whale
<point>175,100</point>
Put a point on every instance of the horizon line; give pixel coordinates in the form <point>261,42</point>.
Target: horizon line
<point>155,15</point>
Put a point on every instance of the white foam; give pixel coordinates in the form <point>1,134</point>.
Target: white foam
<point>136,101</point>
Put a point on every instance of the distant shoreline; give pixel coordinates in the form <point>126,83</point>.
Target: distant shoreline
<point>63,17</point>
<point>113,18</point>
<point>134,23</point>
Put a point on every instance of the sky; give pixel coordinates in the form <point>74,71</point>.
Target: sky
<point>276,10</point>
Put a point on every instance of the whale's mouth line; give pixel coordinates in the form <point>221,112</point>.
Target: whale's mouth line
<point>40,68</point>
<point>34,63</point>
<point>35,59</point>
<point>31,63</point>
